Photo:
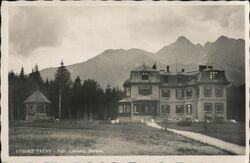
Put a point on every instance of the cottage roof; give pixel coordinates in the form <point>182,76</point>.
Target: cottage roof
<point>37,97</point>
<point>126,99</point>
<point>145,68</point>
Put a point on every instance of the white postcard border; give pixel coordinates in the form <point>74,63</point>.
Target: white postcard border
<point>4,91</point>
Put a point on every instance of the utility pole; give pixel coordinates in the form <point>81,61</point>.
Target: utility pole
<point>176,64</point>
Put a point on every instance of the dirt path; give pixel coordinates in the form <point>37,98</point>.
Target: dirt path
<point>236,149</point>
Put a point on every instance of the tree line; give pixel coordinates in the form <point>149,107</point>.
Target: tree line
<point>75,99</point>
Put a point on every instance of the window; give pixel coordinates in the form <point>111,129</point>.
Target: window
<point>212,75</point>
<point>127,109</point>
<point>165,93</point>
<point>40,108</point>
<point>198,92</point>
<point>165,109</point>
<point>219,107</point>
<point>208,91</point>
<point>120,109</point>
<point>208,107</point>
<point>165,79</point>
<point>31,110</point>
<point>218,91</point>
<point>179,93</point>
<point>128,91</point>
<point>188,92</point>
<point>188,109</point>
<point>124,109</point>
<point>179,77</point>
<point>136,108</point>
<point>145,90</point>
<point>47,108</point>
<point>179,109</point>
<point>144,75</point>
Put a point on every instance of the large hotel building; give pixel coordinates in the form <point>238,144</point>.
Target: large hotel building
<point>153,94</point>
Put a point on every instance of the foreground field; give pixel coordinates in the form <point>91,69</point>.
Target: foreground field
<point>230,132</point>
<point>95,138</point>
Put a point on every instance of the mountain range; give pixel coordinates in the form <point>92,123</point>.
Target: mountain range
<point>113,66</point>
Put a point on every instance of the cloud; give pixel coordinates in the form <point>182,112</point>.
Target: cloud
<point>199,23</point>
<point>49,34</point>
<point>225,16</point>
<point>34,27</point>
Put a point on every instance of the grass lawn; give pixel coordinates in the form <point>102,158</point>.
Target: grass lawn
<point>98,138</point>
<point>230,132</point>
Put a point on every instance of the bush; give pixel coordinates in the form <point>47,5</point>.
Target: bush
<point>184,123</point>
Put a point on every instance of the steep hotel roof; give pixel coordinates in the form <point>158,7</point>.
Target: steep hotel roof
<point>180,78</point>
<point>144,68</point>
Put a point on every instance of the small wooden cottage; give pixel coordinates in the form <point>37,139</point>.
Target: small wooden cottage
<point>37,107</point>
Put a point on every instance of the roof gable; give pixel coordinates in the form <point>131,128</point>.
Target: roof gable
<point>37,97</point>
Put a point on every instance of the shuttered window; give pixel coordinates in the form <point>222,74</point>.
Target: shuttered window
<point>219,107</point>
<point>165,93</point>
<point>179,109</point>
<point>165,109</point>
<point>218,91</point>
<point>208,107</point>
<point>145,90</point>
<point>179,93</point>
<point>188,93</point>
<point>188,109</point>
<point>208,91</point>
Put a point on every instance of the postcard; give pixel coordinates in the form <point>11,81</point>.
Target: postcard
<point>107,81</point>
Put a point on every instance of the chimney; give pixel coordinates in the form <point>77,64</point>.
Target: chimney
<point>167,68</point>
<point>202,67</point>
<point>182,70</point>
<point>154,66</point>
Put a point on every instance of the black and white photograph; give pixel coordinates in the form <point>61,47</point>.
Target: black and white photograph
<point>141,80</point>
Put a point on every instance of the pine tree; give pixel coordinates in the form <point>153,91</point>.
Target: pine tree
<point>62,80</point>
<point>37,75</point>
<point>22,74</point>
<point>75,99</point>
<point>77,84</point>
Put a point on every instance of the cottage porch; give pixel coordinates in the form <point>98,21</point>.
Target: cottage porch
<point>137,109</point>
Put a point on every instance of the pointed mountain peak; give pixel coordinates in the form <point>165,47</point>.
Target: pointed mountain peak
<point>207,45</point>
<point>183,39</point>
<point>199,45</point>
<point>222,38</point>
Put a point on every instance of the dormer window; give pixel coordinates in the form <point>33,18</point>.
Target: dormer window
<point>212,75</point>
<point>144,75</point>
<point>179,78</point>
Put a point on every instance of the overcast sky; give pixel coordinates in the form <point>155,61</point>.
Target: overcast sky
<point>47,35</point>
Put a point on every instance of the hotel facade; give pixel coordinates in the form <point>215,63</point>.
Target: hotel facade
<point>156,94</point>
